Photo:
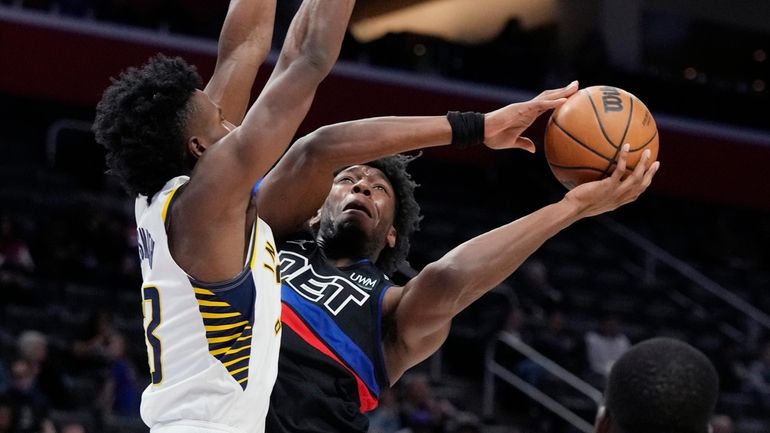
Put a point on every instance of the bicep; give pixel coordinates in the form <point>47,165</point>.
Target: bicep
<point>229,169</point>
<point>293,190</point>
<point>421,320</point>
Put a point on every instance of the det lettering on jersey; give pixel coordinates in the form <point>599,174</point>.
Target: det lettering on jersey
<point>334,292</point>
<point>146,245</point>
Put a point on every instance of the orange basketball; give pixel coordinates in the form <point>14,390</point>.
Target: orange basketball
<point>584,136</point>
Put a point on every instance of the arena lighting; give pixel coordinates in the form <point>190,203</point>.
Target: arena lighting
<point>464,21</point>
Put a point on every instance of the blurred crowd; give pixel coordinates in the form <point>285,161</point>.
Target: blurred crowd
<point>84,367</point>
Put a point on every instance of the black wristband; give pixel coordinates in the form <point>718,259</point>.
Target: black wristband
<point>467,128</point>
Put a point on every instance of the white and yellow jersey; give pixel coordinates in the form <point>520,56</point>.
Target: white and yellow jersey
<point>212,348</point>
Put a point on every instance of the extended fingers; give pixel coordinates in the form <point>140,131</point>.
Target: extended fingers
<point>642,165</point>
<point>620,170</point>
<point>547,104</point>
<point>562,92</point>
<point>650,173</point>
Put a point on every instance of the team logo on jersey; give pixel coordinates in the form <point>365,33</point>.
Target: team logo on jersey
<point>333,292</point>
<point>364,281</point>
<point>146,245</point>
<point>301,243</point>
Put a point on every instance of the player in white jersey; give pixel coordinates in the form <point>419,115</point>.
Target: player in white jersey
<point>223,339</point>
<point>210,293</point>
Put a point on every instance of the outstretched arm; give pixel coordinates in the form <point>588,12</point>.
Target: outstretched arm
<point>244,43</point>
<point>287,204</point>
<point>423,309</point>
<point>209,217</point>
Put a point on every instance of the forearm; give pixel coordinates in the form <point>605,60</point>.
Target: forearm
<point>244,43</point>
<point>308,53</point>
<point>315,34</point>
<point>444,288</point>
<point>478,265</point>
<point>249,25</point>
<point>343,144</point>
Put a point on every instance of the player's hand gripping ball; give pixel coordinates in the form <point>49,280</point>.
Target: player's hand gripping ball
<point>584,136</point>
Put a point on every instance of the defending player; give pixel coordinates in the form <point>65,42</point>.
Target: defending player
<point>210,270</point>
<point>348,332</point>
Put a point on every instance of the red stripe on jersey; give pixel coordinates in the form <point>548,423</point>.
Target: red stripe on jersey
<point>367,402</point>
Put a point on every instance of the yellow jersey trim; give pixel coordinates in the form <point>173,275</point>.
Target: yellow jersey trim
<point>166,204</point>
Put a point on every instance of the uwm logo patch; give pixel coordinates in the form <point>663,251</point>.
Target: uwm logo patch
<point>333,292</point>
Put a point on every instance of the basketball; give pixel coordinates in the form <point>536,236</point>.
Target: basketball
<point>584,136</point>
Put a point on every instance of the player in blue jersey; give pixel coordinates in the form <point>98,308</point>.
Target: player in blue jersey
<point>211,293</point>
<point>342,228</point>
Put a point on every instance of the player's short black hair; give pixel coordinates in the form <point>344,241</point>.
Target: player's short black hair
<point>141,121</point>
<point>407,220</point>
<point>662,385</point>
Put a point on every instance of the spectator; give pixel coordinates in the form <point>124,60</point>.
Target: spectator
<point>6,415</point>
<point>421,411</point>
<point>385,419</point>
<point>121,389</point>
<point>554,342</point>
<point>14,251</point>
<point>92,348</point>
<point>721,424</point>
<point>73,427</point>
<point>604,347</point>
<point>33,348</point>
<point>536,284</point>
<point>29,406</point>
<point>515,323</point>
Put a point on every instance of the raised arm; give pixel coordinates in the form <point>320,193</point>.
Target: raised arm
<point>209,217</point>
<point>286,203</point>
<point>423,309</point>
<point>244,43</point>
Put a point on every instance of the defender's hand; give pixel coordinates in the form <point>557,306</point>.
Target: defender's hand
<point>503,127</point>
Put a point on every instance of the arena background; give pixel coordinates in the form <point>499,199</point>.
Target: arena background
<point>690,259</point>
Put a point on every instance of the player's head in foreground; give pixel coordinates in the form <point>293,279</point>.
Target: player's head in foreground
<point>660,385</point>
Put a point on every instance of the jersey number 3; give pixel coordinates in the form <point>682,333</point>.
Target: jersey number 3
<point>151,300</point>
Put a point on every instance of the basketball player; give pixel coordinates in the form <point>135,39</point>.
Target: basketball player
<point>659,385</point>
<point>348,332</point>
<point>211,284</point>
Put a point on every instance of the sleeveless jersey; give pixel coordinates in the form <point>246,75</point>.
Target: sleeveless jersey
<point>212,348</point>
<point>331,363</point>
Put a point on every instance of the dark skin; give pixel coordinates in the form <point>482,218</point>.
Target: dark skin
<point>361,199</point>
<point>210,215</point>
<point>422,310</point>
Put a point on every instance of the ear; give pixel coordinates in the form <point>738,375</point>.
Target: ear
<point>315,221</point>
<point>196,146</point>
<point>391,237</point>
<point>603,423</point>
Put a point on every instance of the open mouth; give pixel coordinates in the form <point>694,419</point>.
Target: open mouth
<point>359,207</point>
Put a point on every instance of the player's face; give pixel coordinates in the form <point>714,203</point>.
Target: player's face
<point>362,196</point>
<point>207,125</point>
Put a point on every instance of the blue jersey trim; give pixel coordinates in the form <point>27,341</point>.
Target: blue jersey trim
<point>255,188</point>
<point>331,334</point>
<point>378,334</point>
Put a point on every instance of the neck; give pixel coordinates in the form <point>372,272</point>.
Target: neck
<point>346,247</point>
<point>342,262</point>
